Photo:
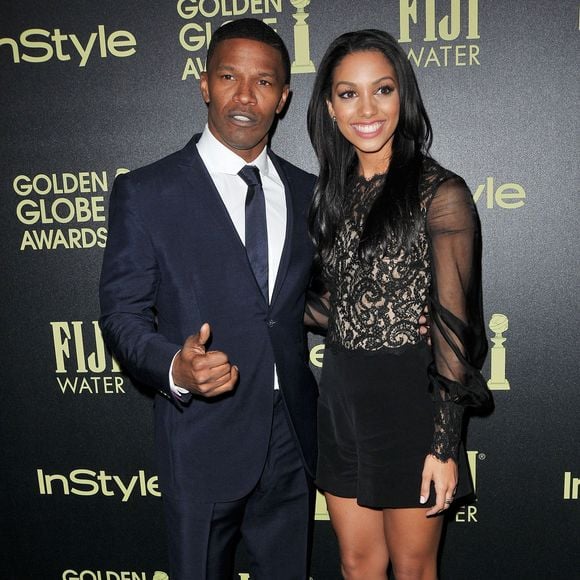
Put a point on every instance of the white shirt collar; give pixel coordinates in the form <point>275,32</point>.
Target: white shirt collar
<point>219,159</point>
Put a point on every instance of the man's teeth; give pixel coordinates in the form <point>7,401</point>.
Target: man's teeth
<point>241,118</point>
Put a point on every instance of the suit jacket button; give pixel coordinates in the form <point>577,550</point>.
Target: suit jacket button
<point>271,323</point>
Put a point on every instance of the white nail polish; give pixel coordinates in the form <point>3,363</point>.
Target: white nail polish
<point>422,499</point>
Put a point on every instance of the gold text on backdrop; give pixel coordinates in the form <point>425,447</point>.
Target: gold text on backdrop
<point>445,33</point>
<point>101,44</point>
<point>80,354</point>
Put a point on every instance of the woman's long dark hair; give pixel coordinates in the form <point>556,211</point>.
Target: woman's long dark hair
<point>396,214</point>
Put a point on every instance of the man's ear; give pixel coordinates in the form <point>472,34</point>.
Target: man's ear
<point>203,85</point>
<point>283,99</point>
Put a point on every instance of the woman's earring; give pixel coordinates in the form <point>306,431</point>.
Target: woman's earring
<point>333,122</point>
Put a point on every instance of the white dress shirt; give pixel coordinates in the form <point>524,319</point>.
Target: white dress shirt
<point>223,166</point>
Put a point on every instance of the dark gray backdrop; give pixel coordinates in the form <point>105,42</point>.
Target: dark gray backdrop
<point>77,483</point>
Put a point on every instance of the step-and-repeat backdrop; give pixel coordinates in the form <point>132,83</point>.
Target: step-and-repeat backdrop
<point>89,90</point>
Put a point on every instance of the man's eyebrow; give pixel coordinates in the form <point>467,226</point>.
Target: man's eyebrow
<point>231,68</point>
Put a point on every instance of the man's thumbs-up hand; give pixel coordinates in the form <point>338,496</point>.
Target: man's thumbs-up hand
<point>202,372</point>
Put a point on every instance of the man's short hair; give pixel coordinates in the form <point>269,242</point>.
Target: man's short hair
<point>251,29</point>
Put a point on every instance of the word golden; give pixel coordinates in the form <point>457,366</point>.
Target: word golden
<point>103,575</point>
<point>189,9</point>
<point>43,184</point>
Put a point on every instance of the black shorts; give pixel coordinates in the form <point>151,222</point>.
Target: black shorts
<point>375,427</point>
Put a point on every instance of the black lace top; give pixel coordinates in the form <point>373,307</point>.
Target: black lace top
<point>376,305</point>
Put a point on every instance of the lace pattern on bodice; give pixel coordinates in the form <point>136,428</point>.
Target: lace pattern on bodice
<point>376,304</point>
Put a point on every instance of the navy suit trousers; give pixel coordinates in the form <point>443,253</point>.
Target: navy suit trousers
<point>275,520</point>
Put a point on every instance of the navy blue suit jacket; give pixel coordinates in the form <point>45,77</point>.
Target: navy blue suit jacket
<point>174,261</point>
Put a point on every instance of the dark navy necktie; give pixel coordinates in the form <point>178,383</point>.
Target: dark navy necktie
<point>256,228</point>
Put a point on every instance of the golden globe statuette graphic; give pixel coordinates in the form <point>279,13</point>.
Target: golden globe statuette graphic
<point>498,325</point>
<point>321,509</point>
<point>159,575</point>
<point>302,62</point>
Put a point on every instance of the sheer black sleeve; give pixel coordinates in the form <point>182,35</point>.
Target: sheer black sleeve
<point>317,309</point>
<point>457,331</point>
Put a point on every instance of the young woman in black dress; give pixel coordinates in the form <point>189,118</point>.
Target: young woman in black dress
<point>394,231</point>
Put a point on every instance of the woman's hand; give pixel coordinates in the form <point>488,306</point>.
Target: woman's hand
<point>444,476</point>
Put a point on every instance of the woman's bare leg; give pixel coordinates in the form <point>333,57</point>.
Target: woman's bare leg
<point>413,542</point>
<point>361,538</point>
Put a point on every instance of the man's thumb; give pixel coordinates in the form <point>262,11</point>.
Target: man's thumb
<point>204,333</point>
<point>197,341</point>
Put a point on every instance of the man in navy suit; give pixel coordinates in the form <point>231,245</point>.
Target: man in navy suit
<point>235,422</point>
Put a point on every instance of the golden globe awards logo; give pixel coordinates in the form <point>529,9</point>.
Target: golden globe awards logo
<point>320,508</point>
<point>441,32</point>
<point>498,324</point>
<point>203,16</point>
<point>301,62</point>
<point>62,210</point>
<point>112,575</point>
<point>82,364</point>
<point>37,45</point>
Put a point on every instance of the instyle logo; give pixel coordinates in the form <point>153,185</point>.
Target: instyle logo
<point>317,355</point>
<point>86,482</point>
<point>37,45</point>
<point>62,210</point>
<point>571,486</point>
<point>80,354</point>
<point>502,196</point>
<point>204,16</point>
<point>440,31</point>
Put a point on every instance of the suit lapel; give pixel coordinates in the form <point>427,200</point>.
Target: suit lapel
<point>204,187</point>
<point>202,184</point>
<point>287,249</point>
